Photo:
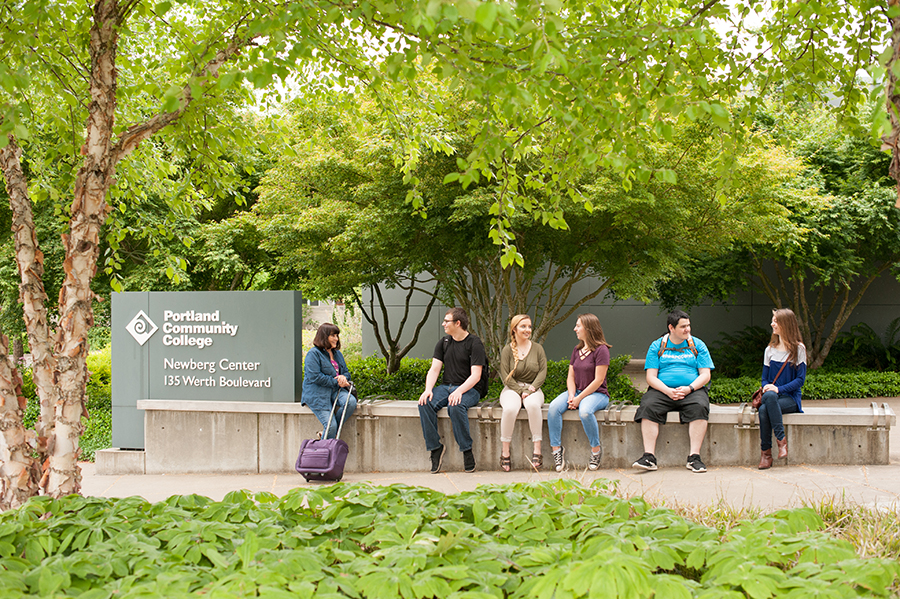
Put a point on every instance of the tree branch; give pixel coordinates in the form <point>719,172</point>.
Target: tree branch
<point>139,132</point>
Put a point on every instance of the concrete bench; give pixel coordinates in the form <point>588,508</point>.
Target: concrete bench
<point>385,436</point>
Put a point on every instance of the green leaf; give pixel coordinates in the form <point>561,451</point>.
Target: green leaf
<point>486,14</point>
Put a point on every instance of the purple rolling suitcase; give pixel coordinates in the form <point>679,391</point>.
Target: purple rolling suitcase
<point>323,460</point>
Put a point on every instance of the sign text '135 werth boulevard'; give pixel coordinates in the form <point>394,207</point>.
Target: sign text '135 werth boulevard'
<point>196,371</point>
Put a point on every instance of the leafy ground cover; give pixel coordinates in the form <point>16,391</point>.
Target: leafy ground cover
<point>553,539</point>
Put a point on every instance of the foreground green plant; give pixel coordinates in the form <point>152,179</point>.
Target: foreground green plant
<point>552,539</point>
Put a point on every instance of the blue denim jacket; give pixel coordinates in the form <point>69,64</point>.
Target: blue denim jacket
<point>319,387</point>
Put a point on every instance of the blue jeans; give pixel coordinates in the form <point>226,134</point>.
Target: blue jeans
<point>586,409</point>
<point>770,411</point>
<point>459,417</point>
<point>323,415</point>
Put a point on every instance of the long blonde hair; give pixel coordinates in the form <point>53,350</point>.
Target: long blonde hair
<point>790,332</point>
<point>513,323</point>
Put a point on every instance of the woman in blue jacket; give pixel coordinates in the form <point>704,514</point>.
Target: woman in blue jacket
<point>326,379</point>
<point>784,371</point>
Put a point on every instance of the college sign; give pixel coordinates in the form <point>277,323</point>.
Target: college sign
<point>215,345</point>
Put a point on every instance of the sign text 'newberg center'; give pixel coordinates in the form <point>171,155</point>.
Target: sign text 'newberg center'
<point>216,345</point>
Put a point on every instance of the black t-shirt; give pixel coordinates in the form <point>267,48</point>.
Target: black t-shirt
<point>459,357</point>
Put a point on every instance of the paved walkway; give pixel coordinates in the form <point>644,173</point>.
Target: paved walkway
<point>785,486</point>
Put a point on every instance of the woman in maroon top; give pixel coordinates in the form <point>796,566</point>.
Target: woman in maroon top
<point>586,390</point>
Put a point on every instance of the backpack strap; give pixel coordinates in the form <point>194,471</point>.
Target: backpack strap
<point>692,346</point>
<point>664,340</point>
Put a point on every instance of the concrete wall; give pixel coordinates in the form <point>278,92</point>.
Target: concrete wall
<point>630,326</point>
<point>385,436</point>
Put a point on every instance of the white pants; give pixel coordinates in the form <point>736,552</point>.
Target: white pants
<point>511,402</point>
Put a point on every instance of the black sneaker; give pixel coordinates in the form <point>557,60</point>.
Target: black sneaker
<point>647,462</point>
<point>437,459</point>
<point>469,461</point>
<point>694,464</point>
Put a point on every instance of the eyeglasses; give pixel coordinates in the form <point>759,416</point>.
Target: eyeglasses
<point>448,321</point>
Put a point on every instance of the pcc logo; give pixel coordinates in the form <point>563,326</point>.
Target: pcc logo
<point>141,327</point>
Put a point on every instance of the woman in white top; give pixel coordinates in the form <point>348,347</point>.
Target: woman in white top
<point>783,375</point>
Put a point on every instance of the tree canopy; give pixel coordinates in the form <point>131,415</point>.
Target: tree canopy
<point>837,242</point>
<point>337,213</point>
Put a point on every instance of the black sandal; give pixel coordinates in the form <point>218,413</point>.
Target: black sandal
<point>505,463</point>
<point>537,460</point>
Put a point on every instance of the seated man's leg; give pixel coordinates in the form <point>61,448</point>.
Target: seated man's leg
<point>428,416</point>
<point>649,434</point>
<point>653,411</point>
<point>694,411</point>
<point>459,418</point>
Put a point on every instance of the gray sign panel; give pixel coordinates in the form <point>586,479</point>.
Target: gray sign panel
<point>216,345</point>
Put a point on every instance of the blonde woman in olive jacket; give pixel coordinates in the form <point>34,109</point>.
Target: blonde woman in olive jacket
<point>523,369</point>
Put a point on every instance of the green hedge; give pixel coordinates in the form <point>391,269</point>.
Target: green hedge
<point>408,382</point>
<point>819,385</point>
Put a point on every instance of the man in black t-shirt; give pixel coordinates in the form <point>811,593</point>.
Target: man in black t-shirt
<point>463,359</point>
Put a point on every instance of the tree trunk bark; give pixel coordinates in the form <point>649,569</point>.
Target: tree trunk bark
<point>891,141</point>
<point>18,351</point>
<point>30,262</point>
<point>19,472</point>
<point>89,212</point>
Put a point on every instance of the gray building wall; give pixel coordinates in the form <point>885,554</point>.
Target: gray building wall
<point>630,326</point>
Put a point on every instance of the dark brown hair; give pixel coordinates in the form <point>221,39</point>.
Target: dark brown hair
<point>326,330</point>
<point>594,331</point>
<point>790,332</point>
<point>460,315</point>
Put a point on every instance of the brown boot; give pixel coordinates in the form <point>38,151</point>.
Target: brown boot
<point>765,460</point>
<point>782,448</point>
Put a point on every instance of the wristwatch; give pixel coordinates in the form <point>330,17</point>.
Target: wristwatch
<point>691,387</point>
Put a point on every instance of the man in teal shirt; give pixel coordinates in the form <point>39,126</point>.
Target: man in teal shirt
<point>678,368</point>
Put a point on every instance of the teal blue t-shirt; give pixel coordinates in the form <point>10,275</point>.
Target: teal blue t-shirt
<point>678,368</point>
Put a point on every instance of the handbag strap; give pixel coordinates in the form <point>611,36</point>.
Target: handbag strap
<point>783,364</point>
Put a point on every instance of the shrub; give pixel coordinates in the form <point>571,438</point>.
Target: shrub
<point>818,385</point>
<point>867,349</point>
<point>98,401</point>
<point>741,354</point>
<point>370,379</point>
<point>409,382</point>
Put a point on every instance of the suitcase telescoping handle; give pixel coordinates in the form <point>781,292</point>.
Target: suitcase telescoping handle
<point>343,413</point>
